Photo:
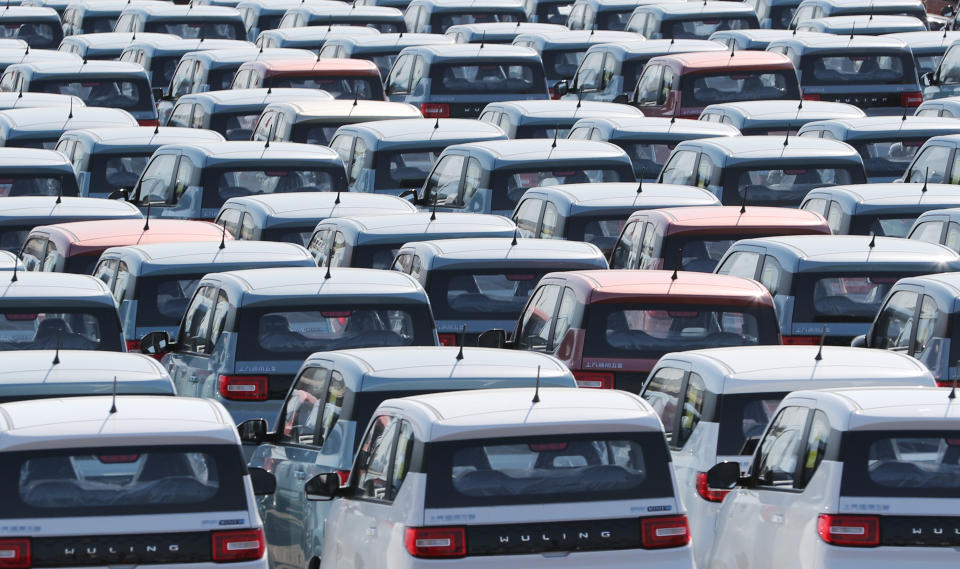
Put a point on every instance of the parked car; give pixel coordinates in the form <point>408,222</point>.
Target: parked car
<point>342,78</point>
<point>648,141</point>
<point>546,119</point>
<point>188,22</point>
<point>928,48</point>
<point>46,311</point>
<point>176,462</point>
<point>602,14</point>
<point>829,287</point>
<point>816,9</point>
<point>245,333</point>
<point>938,226</point>
<point>695,238</point>
<point>394,156</point>
<point>851,449</point>
<point>159,54</point>
<point>311,38</point>
<point>498,32</point>
<point>478,284</point>
<point>41,127</point>
<point>110,159</point>
<point>153,283</point>
<point>435,16</point>
<point>105,46</point>
<point>233,113</point>
<point>40,27</point>
<point>688,20</point>
<point>193,180</point>
<point>491,177</point>
<point>382,50</point>
<point>763,170</point>
<point>384,19</point>
<point>878,209</point>
<point>776,117</point>
<point>595,213</point>
<point>316,121</point>
<point>610,327</point>
<point>864,25</point>
<point>36,172</point>
<point>562,51</point>
<point>715,404</point>
<point>19,215</point>
<point>945,107</point>
<point>334,397</point>
<point>934,161</point>
<point>291,217</point>
<point>10,101</point>
<point>372,241</point>
<point>459,80</point>
<point>598,434</point>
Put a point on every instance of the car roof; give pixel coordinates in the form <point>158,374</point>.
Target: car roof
<point>939,41</point>
<point>164,10</point>
<point>122,138</point>
<point>862,22</point>
<point>563,38</point>
<point>320,33</point>
<point>845,252</point>
<point>872,127</point>
<point>12,56</point>
<point>255,97</point>
<point>339,109</point>
<point>424,132</point>
<point>43,209</point>
<point>321,64</point>
<point>787,110</point>
<point>759,369</point>
<point>139,421</point>
<point>170,42</point>
<point>480,5</point>
<point>179,258</point>
<point>747,148</point>
<point>884,408</point>
<point>297,206</point>
<point>584,199</point>
<point>60,119</point>
<point>697,219</point>
<point>506,252</point>
<point>495,413</point>
<point>115,232</point>
<point>230,151</point>
<point>292,285</point>
<point>511,152</point>
<point>14,12</point>
<point>711,61</point>
<point>243,55</point>
<point>49,286</point>
<point>470,51</point>
<point>696,8</point>
<point>615,286</point>
<point>831,42</point>
<point>392,228</point>
<point>640,48</point>
<point>883,197</point>
<point>535,111</point>
<point>33,372</point>
<point>71,69</point>
<point>107,41</point>
<point>12,157</point>
<point>623,127</point>
<point>379,42</point>
<point>16,100</point>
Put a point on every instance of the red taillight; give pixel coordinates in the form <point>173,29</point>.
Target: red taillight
<point>800,340</point>
<point>594,379</point>
<point>240,545</point>
<point>133,346</point>
<point>849,531</point>
<point>435,110</point>
<point>148,122</point>
<point>436,542</point>
<point>946,383</point>
<point>244,387</point>
<point>811,97</point>
<point>911,99</point>
<point>448,339</point>
<point>708,493</point>
<point>15,553</point>
<point>668,531</point>
<point>344,477</point>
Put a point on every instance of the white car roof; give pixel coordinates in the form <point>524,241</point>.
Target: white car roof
<point>139,421</point>
<point>491,413</point>
<point>883,408</point>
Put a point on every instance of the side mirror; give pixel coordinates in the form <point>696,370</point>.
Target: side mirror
<point>561,88</point>
<point>622,99</point>
<point>413,193</point>
<point>495,338</point>
<point>860,341</point>
<point>121,194</point>
<point>724,476</point>
<point>252,431</point>
<point>263,482</point>
<point>157,93</point>
<point>323,487</point>
<point>156,343</point>
<point>929,79</point>
<point>749,446</point>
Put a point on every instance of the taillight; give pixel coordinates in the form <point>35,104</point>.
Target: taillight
<point>849,531</point>
<point>811,97</point>
<point>662,532</point>
<point>706,492</point>
<point>436,541</point>
<point>594,379</point>
<point>239,545</point>
<point>244,387</point>
<point>800,340</point>
<point>911,99</point>
<point>946,383</point>
<point>133,346</point>
<point>15,553</point>
<point>447,339</point>
<point>435,110</point>
<point>148,122</point>
<point>344,477</point>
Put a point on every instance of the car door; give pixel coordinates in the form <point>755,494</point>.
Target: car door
<point>189,363</point>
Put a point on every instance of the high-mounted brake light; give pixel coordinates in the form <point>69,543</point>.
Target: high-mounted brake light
<point>436,542</point>
<point>240,545</point>
<point>800,340</point>
<point>849,531</point>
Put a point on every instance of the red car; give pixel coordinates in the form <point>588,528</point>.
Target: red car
<point>342,78</point>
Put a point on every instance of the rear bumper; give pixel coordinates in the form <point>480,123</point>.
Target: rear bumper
<point>674,558</point>
<point>886,557</point>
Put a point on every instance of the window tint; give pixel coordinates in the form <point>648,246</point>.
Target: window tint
<point>551,226</point>
<point>471,183</point>
<point>646,258</point>
<point>624,255</point>
<point>195,333</point>
<point>928,231</point>
<point>401,458</point>
<point>444,183</point>
<point>926,324</point>
<point>835,218</point>
<point>663,393</point>
<point>588,76</point>
<point>777,461</point>
<point>566,315</point>
<point>740,264</point>
<point>372,467</point>
<point>648,87</point>
<point>302,407</point>
<point>857,68</point>
<point>156,180</point>
<point>680,168</point>
<point>528,217</point>
<point>537,320</point>
<point>33,252</point>
<point>815,448</point>
<point>181,115</point>
<point>487,77</point>
<point>770,274</point>
<point>896,321</point>
<point>332,407</point>
<point>953,236</point>
<point>930,165</point>
<point>692,408</point>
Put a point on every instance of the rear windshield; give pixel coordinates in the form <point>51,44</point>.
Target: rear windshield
<point>197,30</point>
<point>702,29</point>
<point>888,225</point>
<point>114,481</point>
<point>487,77</point>
<point>858,68</point>
<point>743,417</point>
<point>635,331</point>
<point>12,238</point>
<point>299,235</point>
<point>700,254</point>
<point>444,21</point>
<point>544,469</point>
<point>888,158</point>
<point>314,133</point>
<point>374,256</point>
<point>647,158</point>
<point>87,329</point>
<point>298,332</point>
<point>99,24</point>
<point>364,88</point>
<point>126,94</point>
<point>781,16</point>
<point>554,13</point>
<point>222,185</point>
<point>162,69</point>
<point>901,464</point>
<point>404,169</point>
<point>787,186</point>
<point>481,295</point>
<point>112,172</point>
<point>220,79</point>
<point>613,20</point>
<point>37,185</point>
<point>509,187</point>
<point>927,63</point>
<point>703,90</point>
<point>559,64</point>
<point>163,300</point>
<point>841,298</point>
<point>233,126</point>
<point>40,35</point>
<point>602,231</point>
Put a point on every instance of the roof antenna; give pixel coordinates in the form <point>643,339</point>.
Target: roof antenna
<point>953,390</point>
<point>483,37</point>
<point>733,47</point>
<point>329,262</point>
<point>146,224</point>
<point>536,392</point>
<point>823,336</point>
<point>156,129</point>
<point>556,131</point>
<point>514,242</point>
<point>267,145</point>
<point>223,235</point>
<point>70,114</point>
<point>433,210</point>
<point>743,201</point>
<point>923,190</point>
<point>337,201</point>
<point>463,337</point>
<point>20,96</point>
<point>640,182</point>
<point>113,403</point>
<point>853,28</point>
<point>56,355</point>
<point>59,195</point>
<point>873,240</point>
<point>16,263</point>
<point>579,98</point>
<point>676,267</point>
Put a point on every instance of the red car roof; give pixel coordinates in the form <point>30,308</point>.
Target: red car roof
<point>323,66</point>
<point>86,236</point>
<point>721,60</point>
<point>661,287</point>
<point>728,219</point>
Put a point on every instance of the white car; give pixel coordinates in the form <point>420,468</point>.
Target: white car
<point>508,478</point>
<point>716,403</point>
<point>846,479</point>
<point>127,481</point>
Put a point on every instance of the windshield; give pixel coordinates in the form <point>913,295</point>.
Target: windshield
<point>122,480</point>
<point>788,186</point>
<point>197,30</point>
<point>109,173</point>
<point>126,94</point>
<point>841,298</point>
<point>234,126</point>
<point>481,295</point>
<point>902,464</point>
<point>509,186</point>
<point>703,90</point>
<point>364,88</point>
<point>857,68</point>
<point>37,185</point>
<point>88,329</point>
<point>743,417</point>
<point>562,64</point>
<point>888,158</point>
<point>703,29</point>
<point>39,35</point>
<point>12,238</point>
<point>404,169</point>
<point>487,77</point>
<point>228,184</point>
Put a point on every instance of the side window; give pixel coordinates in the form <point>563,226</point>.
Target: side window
<point>471,181</point>
<point>156,180</point>
<point>835,217</point>
<point>581,133</point>
<point>779,456</point>
<point>248,229</point>
<point>648,88</point>
<point>623,254</point>
<point>416,267</point>
<point>181,115</point>
<point>330,414</point>
<point>926,324</point>
<point>666,85</point>
<point>182,81</point>
<point>609,71</point>
<point>647,253</point>
<point>692,408</point>
<point>550,228</point>
<point>566,315</point>
<point>196,323</point>
<point>663,394</point>
<point>817,205</point>
<point>401,458</point>
<point>929,231</point>
<point>933,160</point>
<point>771,274</point>
<point>302,408</point>
<point>343,146</point>
<point>402,263</point>
<point>705,172</point>
<point>261,132</point>
<point>358,162</point>
<point>184,177</point>
<point>953,236</point>
<point>740,264</point>
<point>588,75</point>
<point>680,168</point>
<point>230,219</point>
<point>895,322</point>
<point>528,217</point>
<point>815,448</point>
<point>419,72</point>
<point>444,183</point>
<point>373,460</point>
<point>219,322</point>
<point>537,319</point>
<point>106,271</point>
<point>49,259</point>
<point>198,117</point>
<point>121,282</point>
<point>66,147</point>
<point>8,82</point>
<point>398,82</point>
<point>33,252</point>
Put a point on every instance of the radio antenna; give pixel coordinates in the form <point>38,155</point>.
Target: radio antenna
<point>223,235</point>
<point>953,390</point>
<point>146,223</point>
<point>463,337</point>
<point>743,201</point>
<point>536,392</point>
<point>514,242</point>
<point>329,262</point>
<point>56,355</point>
<point>823,336</point>
<point>337,201</point>
<point>113,403</point>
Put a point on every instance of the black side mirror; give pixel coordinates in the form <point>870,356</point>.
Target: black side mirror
<point>929,79</point>
<point>157,93</point>
<point>622,99</point>
<point>561,88</point>
<point>121,194</point>
<point>495,338</point>
<point>407,193</point>
<point>749,446</point>
<point>263,482</point>
<point>156,343</point>
<point>253,431</point>
<point>323,487</point>
<point>724,476</point>
<point>860,341</point>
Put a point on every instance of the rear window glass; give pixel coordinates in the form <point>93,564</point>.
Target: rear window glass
<point>39,35</point>
<point>487,77</point>
<point>109,173</point>
<point>616,20</point>
<point>908,464</point>
<point>702,29</point>
<point>220,79</point>
<point>701,255</point>
<point>927,63</point>
<point>444,21</point>
<point>163,300</point>
<point>99,24</point>
<point>888,226</point>
<point>122,480</point>
<point>703,90</point>
<point>888,158</point>
<point>854,68</point>
<point>516,183</point>
<point>238,183</point>
<point>197,30</point>
<point>74,330</point>
<point>314,133</point>
<point>601,231</point>
<point>129,95</point>
<point>647,158</point>
<point>481,295</point>
<point>404,169</point>
<point>37,185</point>
<point>562,64</point>
<point>558,468</point>
<point>364,88</point>
<point>12,238</point>
<point>841,298</point>
<point>788,186</point>
<point>743,417</point>
<point>162,69</point>
<point>234,126</point>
